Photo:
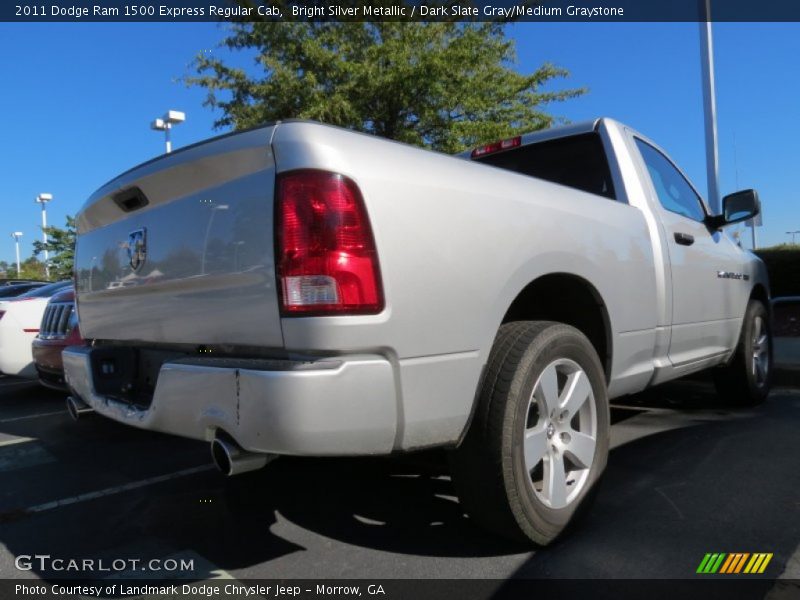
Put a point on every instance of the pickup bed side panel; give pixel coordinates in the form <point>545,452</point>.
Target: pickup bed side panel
<point>457,242</point>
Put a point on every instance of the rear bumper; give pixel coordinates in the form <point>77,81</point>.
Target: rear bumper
<point>336,406</point>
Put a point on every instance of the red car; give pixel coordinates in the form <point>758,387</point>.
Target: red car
<point>59,329</point>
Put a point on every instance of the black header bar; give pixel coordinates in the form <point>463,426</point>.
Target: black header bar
<point>541,11</point>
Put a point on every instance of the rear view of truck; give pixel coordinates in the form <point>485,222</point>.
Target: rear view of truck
<point>184,268</point>
<point>301,289</point>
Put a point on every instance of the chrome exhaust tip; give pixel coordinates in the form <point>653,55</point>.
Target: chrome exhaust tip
<point>77,407</point>
<point>231,459</point>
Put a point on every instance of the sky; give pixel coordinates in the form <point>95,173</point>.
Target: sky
<point>77,100</point>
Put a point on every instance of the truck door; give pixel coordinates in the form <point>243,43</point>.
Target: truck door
<point>703,320</point>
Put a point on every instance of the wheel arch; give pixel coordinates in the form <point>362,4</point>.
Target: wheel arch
<point>569,299</point>
<point>760,293</point>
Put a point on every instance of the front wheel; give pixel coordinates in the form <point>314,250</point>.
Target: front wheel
<point>746,380</point>
<point>539,438</point>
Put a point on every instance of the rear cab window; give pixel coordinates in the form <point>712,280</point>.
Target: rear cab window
<point>576,161</point>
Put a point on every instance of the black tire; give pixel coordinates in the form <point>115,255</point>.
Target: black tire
<point>741,382</point>
<point>496,487</point>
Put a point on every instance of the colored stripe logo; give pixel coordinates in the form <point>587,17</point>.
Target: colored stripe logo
<point>734,563</point>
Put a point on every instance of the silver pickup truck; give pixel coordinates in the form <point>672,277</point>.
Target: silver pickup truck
<point>300,289</point>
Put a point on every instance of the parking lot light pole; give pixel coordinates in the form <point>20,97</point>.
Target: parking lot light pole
<point>16,235</point>
<point>793,233</point>
<point>165,123</point>
<point>709,107</point>
<point>43,199</point>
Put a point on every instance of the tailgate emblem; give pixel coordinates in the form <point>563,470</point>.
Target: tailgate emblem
<point>137,248</point>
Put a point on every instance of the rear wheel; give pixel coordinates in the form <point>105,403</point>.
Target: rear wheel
<point>747,379</point>
<point>538,441</point>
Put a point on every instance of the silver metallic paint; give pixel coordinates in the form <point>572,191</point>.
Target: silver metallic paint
<point>457,242</point>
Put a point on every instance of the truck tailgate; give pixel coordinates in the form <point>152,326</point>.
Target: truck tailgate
<point>183,245</point>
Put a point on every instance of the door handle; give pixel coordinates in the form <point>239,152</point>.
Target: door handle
<point>684,239</point>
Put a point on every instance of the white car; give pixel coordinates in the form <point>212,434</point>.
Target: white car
<point>20,319</point>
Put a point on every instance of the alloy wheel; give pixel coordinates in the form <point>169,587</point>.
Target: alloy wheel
<point>560,433</point>
<point>760,347</point>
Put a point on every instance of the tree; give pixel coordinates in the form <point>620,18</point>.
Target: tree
<point>61,247</point>
<point>442,85</point>
<point>30,268</point>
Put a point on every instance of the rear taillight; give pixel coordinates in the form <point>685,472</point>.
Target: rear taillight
<point>326,257</point>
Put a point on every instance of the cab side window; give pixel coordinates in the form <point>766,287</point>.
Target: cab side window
<point>674,192</point>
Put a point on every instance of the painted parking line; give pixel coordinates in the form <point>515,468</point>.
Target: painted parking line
<point>133,485</point>
<point>6,384</point>
<point>650,421</point>
<point>62,412</point>
<point>16,440</point>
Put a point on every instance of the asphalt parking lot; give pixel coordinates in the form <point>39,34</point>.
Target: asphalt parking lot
<point>686,476</point>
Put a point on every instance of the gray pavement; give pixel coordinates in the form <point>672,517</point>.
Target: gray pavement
<point>787,361</point>
<point>686,476</point>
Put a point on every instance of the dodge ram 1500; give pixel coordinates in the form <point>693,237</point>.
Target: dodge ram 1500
<point>300,289</point>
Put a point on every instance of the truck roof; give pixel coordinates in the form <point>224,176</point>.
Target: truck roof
<point>527,138</point>
<point>550,133</point>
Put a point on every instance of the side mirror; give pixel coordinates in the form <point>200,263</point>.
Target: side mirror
<point>736,207</point>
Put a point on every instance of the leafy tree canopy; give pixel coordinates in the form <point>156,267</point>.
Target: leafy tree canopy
<point>441,85</point>
<point>30,268</point>
<point>61,248</point>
